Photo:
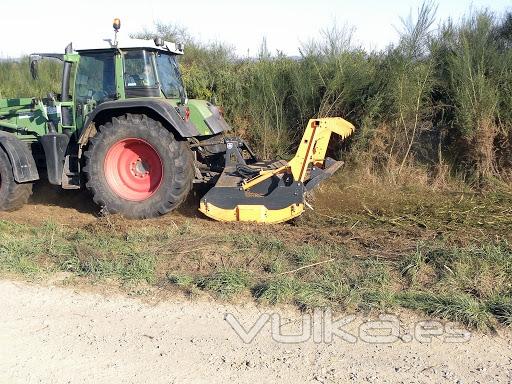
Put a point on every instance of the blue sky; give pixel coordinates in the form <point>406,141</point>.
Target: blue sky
<point>34,25</point>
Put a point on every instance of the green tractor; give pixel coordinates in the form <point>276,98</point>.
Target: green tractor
<point>124,127</point>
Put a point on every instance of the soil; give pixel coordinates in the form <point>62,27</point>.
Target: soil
<point>367,223</point>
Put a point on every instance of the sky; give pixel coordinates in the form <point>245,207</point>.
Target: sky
<point>48,26</point>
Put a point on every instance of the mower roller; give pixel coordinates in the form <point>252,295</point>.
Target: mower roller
<point>249,190</point>
<point>123,127</point>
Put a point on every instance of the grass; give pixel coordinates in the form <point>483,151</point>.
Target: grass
<point>501,308</point>
<point>280,290</point>
<point>461,307</point>
<point>225,282</point>
<point>50,247</point>
<point>457,272</point>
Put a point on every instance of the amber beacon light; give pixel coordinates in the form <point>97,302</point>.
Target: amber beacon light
<point>116,24</point>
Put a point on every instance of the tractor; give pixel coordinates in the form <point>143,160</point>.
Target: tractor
<point>123,127</point>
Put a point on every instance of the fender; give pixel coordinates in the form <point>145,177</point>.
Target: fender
<point>22,162</point>
<point>162,108</point>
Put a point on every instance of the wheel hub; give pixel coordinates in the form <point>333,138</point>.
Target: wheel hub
<point>140,168</point>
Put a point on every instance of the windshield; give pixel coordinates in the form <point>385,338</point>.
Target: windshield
<point>169,76</point>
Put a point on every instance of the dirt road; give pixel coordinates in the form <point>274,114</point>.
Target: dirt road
<point>51,334</point>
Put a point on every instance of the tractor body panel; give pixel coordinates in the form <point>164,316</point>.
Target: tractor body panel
<point>164,108</point>
<point>24,117</point>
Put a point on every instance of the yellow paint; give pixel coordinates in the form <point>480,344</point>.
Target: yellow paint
<point>264,175</point>
<point>315,140</point>
<point>252,213</point>
<point>312,149</point>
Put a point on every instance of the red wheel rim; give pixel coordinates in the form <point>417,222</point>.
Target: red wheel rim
<point>133,169</point>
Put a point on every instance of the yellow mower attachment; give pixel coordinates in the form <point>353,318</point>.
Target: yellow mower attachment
<point>273,192</point>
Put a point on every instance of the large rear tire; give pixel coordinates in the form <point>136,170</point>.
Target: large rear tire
<point>13,195</point>
<point>135,167</point>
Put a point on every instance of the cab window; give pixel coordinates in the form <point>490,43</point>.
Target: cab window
<point>95,78</point>
<point>139,70</point>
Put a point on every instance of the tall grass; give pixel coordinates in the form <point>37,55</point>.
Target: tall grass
<point>438,101</point>
<point>15,79</point>
<point>476,68</point>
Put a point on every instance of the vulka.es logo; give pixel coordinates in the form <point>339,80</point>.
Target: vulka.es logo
<point>320,327</point>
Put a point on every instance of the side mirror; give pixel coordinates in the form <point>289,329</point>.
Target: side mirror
<point>34,61</point>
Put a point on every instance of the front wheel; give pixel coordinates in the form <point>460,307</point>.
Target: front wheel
<point>135,167</point>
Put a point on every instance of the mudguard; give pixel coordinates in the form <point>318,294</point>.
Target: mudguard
<point>157,105</point>
<point>23,164</point>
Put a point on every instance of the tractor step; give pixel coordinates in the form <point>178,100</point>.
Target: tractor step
<point>71,173</point>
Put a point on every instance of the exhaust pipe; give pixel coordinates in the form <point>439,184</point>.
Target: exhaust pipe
<point>66,74</point>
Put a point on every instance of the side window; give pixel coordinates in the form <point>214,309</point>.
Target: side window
<point>95,79</point>
<point>139,70</point>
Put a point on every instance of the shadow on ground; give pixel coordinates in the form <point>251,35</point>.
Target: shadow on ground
<point>52,195</point>
<point>81,200</point>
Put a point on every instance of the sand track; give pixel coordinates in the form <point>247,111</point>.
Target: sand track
<point>57,335</point>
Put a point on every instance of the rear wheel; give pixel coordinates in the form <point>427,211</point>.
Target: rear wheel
<point>137,168</point>
<point>13,195</point>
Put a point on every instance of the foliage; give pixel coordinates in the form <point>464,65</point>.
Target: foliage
<point>439,98</point>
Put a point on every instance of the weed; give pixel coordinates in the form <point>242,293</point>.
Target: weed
<point>226,282</point>
<point>460,307</point>
<point>275,265</point>
<point>182,280</point>
<point>279,290</point>
<point>185,282</point>
<point>501,308</point>
<point>19,253</point>
<point>306,254</point>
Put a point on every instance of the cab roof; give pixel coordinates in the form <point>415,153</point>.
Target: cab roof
<point>166,46</point>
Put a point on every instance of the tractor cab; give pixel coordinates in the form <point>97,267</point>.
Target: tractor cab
<point>152,74</point>
<point>127,69</point>
<point>117,70</point>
